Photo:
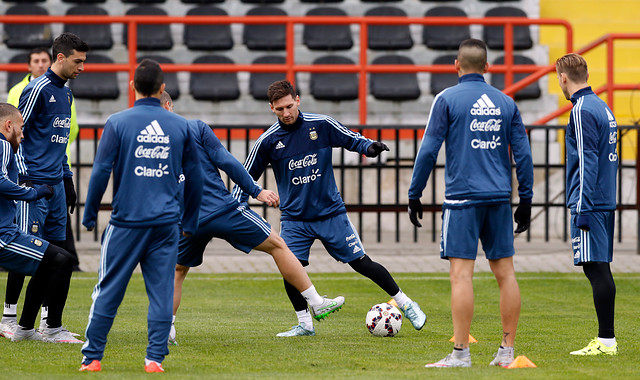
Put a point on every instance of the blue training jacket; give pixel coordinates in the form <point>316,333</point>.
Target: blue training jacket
<point>45,105</point>
<point>10,191</point>
<point>301,156</point>
<point>216,198</point>
<point>479,123</point>
<point>592,156</point>
<point>148,148</point>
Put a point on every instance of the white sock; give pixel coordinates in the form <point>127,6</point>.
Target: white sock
<point>304,319</point>
<point>173,320</point>
<point>147,361</point>
<point>312,296</point>
<point>463,353</point>
<point>44,313</point>
<point>401,299</point>
<point>10,310</point>
<point>607,341</point>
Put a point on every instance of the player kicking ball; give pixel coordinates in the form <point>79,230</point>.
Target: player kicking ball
<point>221,216</point>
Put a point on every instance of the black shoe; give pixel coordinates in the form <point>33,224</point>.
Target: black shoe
<point>76,268</point>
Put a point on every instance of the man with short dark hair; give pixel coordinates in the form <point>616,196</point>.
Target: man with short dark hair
<point>24,253</point>
<point>592,167</point>
<point>299,148</point>
<point>45,104</point>
<point>147,148</point>
<point>480,125</point>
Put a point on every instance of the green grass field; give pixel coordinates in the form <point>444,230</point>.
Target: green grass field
<point>227,326</point>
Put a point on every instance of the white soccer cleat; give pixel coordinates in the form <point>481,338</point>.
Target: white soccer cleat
<point>22,334</point>
<point>298,330</point>
<point>449,362</point>
<point>59,335</point>
<point>503,357</point>
<point>328,306</point>
<point>414,314</point>
<point>8,326</point>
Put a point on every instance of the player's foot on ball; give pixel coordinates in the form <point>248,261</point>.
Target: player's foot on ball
<point>172,336</point>
<point>94,366</point>
<point>8,327</point>
<point>328,306</point>
<point>298,330</point>
<point>596,347</point>
<point>59,335</point>
<point>413,312</point>
<point>152,367</point>
<point>449,362</point>
<point>22,334</point>
<point>503,357</point>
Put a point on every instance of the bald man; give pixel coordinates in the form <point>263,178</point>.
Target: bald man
<point>479,123</point>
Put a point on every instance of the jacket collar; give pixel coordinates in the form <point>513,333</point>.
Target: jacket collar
<point>295,125</point>
<point>471,77</point>
<point>580,93</point>
<point>150,101</point>
<point>55,79</point>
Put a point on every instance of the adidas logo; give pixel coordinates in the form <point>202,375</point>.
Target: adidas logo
<point>280,145</point>
<point>356,249</point>
<point>609,115</point>
<point>52,99</point>
<point>612,120</point>
<point>153,134</point>
<point>484,106</point>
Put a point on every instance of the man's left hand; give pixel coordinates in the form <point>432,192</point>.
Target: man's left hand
<point>376,148</point>
<point>70,194</point>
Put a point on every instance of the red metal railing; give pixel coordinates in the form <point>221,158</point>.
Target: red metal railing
<point>290,67</point>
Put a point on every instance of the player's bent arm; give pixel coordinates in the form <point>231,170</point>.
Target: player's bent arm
<point>234,169</point>
<point>522,157</point>
<point>192,187</point>
<point>13,191</point>
<point>255,165</point>
<point>269,197</point>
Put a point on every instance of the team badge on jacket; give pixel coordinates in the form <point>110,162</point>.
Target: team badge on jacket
<point>313,135</point>
<point>37,243</point>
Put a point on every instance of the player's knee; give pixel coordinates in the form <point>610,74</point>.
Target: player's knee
<point>361,263</point>
<point>181,270</point>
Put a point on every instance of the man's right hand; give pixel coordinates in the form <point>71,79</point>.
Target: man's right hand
<point>44,191</point>
<point>415,211</point>
<point>269,197</point>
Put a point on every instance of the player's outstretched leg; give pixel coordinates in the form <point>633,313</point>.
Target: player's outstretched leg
<point>381,276</point>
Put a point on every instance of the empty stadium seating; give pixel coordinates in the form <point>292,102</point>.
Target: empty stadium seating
<point>334,86</point>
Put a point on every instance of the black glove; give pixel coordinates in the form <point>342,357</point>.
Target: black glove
<point>582,222</point>
<point>522,216</point>
<point>70,194</point>
<point>415,211</point>
<point>26,183</point>
<point>376,148</point>
<point>44,191</point>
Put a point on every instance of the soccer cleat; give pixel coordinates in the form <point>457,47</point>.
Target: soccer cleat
<point>327,307</point>
<point>59,335</point>
<point>153,367</point>
<point>417,317</point>
<point>8,327</point>
<point>43,325</point>
<point>94,366</point>
<point>298,331</point>
<point>595,347</point>
<point>449,362</point>
<point>503,357</point>
<point>172,336</point>
<point>22,334</point>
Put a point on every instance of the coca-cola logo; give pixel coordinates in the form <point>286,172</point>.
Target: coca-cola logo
<point>308,160</point>
<point>158,152</point>
<point>491,125</point>
<point>62,123</point>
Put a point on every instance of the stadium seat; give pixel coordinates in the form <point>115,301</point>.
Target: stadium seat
<point>96,86</point>
<point>327,37</point>
<point>97,36</point>
<point>494,35</point>
<point>334,86</point>
<point>210,36</point>
<point>379,1</point>
<point>445,37</point>
<point>15,76</point>
<point>24,1</point>
<point>388,37</point>
<point>321,1</point>
<point>170,78</point>
<point>532,91</point>
<point>214,86</point>
<point>441,81</point>
<point>150,36</point>
<point>202,1</point>
<point>259,82</point>
<point>143,1</point>
<point>262,1</point>
<point>265,36</point>
<point>84,1</point>
<point>27,36</point>
<point>394,86</point>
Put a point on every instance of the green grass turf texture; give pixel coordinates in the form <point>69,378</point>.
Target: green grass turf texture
<point>227,325</point>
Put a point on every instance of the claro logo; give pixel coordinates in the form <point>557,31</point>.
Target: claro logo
<point>483,144</point>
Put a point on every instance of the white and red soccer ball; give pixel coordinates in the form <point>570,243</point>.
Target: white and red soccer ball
<point>384,319</point>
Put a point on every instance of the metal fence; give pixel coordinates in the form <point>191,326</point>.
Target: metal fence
<point>375,190</point>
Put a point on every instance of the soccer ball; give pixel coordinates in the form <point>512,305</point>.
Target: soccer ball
<point>384,319</point>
